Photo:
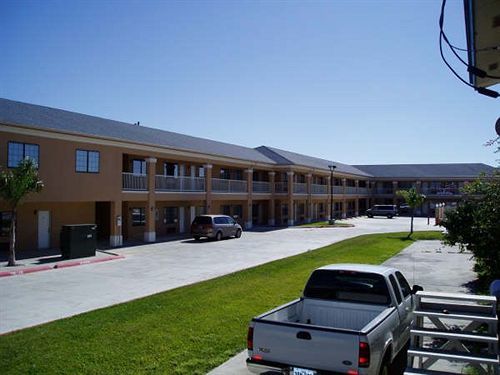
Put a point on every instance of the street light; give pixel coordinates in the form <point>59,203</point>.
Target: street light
<point>332,168</point>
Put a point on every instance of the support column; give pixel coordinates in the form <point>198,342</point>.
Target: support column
<point>249,218</point>
<point>291,210</point>
<point>192,213</point>
<point>344,201</point>
<point>394,189</point>
<point>182,220</point>
<point>208,188</point>
<point>309,213</point>
<point>150,232</point>
<point>116,223</point>
<point>356,210</point>
<point>272,215</point>
<point>329,213</point>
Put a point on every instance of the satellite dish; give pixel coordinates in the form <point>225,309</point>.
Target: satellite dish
<point>497,126</point>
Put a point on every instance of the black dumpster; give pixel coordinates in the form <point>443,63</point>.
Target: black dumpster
<point>78,240</point>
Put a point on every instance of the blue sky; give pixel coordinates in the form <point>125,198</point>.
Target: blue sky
<point>359,82</point>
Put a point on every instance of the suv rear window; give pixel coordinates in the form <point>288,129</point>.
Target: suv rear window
<point>348,286</point>
<point>202,220</point>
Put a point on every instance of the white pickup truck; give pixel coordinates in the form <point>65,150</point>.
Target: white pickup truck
<point>352,319</point>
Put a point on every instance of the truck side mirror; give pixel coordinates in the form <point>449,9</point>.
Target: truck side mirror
<point>416,288</point>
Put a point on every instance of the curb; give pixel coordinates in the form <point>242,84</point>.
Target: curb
<point>59,265</point>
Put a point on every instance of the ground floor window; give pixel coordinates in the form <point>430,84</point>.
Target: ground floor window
<point>138,217</point>
<point>5,220</point>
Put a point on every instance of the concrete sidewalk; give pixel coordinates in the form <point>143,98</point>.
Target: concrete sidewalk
<point>427,263</point>
<point>37,298</point>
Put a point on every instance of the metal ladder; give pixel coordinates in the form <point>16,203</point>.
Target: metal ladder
<point>453,328</point>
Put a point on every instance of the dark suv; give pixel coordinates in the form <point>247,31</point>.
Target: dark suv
<point>382,210</point>
<point>215,226</point>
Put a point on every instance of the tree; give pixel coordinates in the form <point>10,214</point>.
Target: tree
<point>16,184</point>
<point>414,200</point>
<point>475,225</point>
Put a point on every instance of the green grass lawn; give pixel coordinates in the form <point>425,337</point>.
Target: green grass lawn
<point>188,330</point>
<point>324,224</point>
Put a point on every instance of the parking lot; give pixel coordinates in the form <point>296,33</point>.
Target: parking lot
<point>32,299</point>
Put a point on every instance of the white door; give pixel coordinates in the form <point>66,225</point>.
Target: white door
<point>43,229</point>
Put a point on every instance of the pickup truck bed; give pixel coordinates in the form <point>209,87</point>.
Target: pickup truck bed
<point>337,315</point>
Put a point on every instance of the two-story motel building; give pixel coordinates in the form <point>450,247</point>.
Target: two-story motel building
<point>140,183</point>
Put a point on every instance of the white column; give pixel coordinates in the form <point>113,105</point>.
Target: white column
<point>192,213</point>
<point>182,220</point>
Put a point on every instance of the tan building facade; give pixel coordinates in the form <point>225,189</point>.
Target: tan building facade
<point>137,188</point>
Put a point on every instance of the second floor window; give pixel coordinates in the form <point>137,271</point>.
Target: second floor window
<point>138,166</point>
<point>171,169</point>
<point>20,151</point>
<point>87,161</point>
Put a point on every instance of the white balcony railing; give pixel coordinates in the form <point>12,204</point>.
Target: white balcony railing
<point>338,190</point>
<point>299,188</point>
<point>351,190</point>
<point>441,191</point>
<point>220,185</point>
<point>281,187</point>
<point>319,189</point>
<point>261,187</point>
<point>383,190</point>
<point>171,183</point>
<point>134,182</point>
<point>363,190</point>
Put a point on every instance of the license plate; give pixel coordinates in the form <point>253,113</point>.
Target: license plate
<point>302,371</point>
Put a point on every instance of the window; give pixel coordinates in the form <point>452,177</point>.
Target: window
<point>87,161</point>
<point>138,166</point>
<point>171,169</point>
<point>225,174</point>
<point>396,288</point>
<point>201,172</point>
<point>348,286</point>
<point>219,220</point>
<point>405,287</point>
<point>5,219</point>
<point>20,151</point>
<point>138,217</point>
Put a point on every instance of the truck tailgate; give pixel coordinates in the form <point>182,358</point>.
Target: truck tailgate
<point>305,346</point>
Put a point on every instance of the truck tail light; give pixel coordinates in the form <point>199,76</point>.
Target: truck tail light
<point>250,338</point>
<point>364,354</point>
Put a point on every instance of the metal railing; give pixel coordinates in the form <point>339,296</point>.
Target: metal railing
<point>441,191</point>
<point>134,182</point>
<point>351,190</point>
<point>363,190</point>
<point>319,189</point>
<point>261,187</point>
<point>383,191</point>
<point>220,185</point>
<point>338,190</point>
<point>281,187</point>
<point>171,183</point>
<point>299,188</point>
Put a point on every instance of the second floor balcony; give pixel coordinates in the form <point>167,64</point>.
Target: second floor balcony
<point>220,185</point>
<point>261,187</point>
<point>281,187</point>
<point>441,191</point>
<point>172,183</point>
<point>134,182</point>
<point>319,189</point>
<point>299,188</point>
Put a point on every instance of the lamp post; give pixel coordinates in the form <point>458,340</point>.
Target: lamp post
<point>332,168</point>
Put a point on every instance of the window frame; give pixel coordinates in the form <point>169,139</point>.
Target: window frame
<point>2,220</point>
<point>37,162</point>
<point>87,152</point>
<point>403,284</point>
<point>142,213</point>
<point>143,164</point>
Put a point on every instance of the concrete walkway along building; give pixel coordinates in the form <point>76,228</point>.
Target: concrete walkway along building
<point>140,183</point>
